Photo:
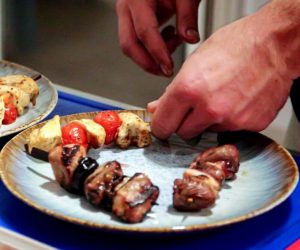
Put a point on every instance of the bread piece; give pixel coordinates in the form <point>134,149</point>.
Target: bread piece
<point>133,131</point>
<point>24,83</point>
<point>96,133</point>
<point>46,137</point>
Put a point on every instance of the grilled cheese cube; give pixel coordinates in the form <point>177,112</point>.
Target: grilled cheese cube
<point>133,131</point>
<point>96,133</point>
<point>46,137</point>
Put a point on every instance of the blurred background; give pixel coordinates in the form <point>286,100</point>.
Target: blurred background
<point>75,44</point>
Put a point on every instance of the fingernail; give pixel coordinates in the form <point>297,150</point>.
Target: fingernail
<point>151,106</point>
<point>193,34</point>
<point>166,70</point>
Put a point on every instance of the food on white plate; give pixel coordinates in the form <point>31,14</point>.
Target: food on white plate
<point>90,133</point>
<point>24,83</point>
<point>16,92</point>
<point>128,198</point>
<point>201,183</point>
<point>96,133</point>
<point>64,160</point>
<point>20,99</point>
<point>99,186</point>
<point>135,198</point>
<point>226,157</point>
<point>110,121</point>
<point>133,131</point>
<point>47,137</point>
<point>195,191</point>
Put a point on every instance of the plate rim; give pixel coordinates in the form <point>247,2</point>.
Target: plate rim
<point>134,229</point>
<point>41,116</point>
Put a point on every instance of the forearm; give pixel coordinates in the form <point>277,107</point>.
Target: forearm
<point>279,22</point>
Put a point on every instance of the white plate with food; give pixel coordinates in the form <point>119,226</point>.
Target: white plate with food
<point>170,186</point>
<point>26,97</point>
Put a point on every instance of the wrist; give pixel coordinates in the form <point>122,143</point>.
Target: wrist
<point>279,25</point>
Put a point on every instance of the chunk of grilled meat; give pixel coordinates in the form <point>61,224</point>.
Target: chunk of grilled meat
<point>64,161</point>
<point>227,156</point>
<point>215,169</point>
<point>197,190</point>
<point>99,187</point>
<point>135,198</point>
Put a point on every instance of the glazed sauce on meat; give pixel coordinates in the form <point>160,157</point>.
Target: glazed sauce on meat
<point>68,153</point>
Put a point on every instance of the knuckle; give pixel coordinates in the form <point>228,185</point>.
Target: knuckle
<point>217,113</point>
<point>159,129</point>
<point>187,92</point>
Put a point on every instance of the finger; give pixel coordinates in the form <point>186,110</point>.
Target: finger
<point>130,45</point>
<point>147,30</point>
<point>151,106</point>
<point>171,39</point>
<point>194,124</point>
<point>168,115</point>
<point>187,20</point>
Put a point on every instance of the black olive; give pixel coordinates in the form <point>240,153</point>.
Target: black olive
<point>86,166</point>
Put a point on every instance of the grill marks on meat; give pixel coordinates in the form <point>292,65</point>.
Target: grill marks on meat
<point>64,161</point>
<point>129,198</point>
<point>99,187</point>
<point>203,180</point>
<point>68,153</point>
<point>135,198</point>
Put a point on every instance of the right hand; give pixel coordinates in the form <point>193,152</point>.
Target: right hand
<point>139,36</point>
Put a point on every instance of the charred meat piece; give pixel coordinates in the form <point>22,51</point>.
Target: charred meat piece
<point>197,190</point>
<point>135,198</point>
<point>99,187</point>
<point>64,161</point>
<point>227,155</point>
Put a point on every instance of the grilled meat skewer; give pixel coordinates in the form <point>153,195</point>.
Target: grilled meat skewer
<point>135,198</point>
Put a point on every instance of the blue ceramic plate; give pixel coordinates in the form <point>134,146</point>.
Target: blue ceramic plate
<point>45,102</point>
<point>267,176</point>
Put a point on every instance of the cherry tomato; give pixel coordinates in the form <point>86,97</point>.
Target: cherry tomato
<point>110,121</point>
<point>10,114</point>
<point>73,133</point>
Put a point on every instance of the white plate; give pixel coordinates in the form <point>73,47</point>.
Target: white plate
<point>45,102</point>
<point>267,176</point>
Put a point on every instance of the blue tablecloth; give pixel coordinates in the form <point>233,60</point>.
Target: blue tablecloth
<point>273,230</point>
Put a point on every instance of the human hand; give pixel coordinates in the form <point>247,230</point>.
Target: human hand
<point>238,79</point>
<point>139,35</point>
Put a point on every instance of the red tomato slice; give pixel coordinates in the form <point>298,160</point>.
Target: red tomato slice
<point>110,121</point>
<point>73,133</point>
<point>10,114</point>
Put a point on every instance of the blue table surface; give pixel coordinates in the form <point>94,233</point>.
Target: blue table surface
<point>275,229</point>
